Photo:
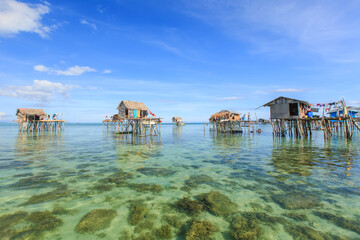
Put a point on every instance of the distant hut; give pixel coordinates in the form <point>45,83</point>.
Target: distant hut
<point>131,109</point>
<point>177,120</point>
<point>225,115</point>
<point>30,114</point>
<point>287,108</point>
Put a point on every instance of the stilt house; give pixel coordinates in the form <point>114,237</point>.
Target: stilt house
<point>225,115</point>
<point>177,120</point>
<point>131,109</point>
<point>29,114</point>
<point>287,108</point>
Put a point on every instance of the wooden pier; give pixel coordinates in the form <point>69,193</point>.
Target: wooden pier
<point>135,126</point>
<point>226,126</point>
<point>36,120</point>
<point>42,125</point>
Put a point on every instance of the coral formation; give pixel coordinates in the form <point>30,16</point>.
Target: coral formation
<point>44,220</point>
<point>340,221</point>
<point>304,232</point>
<point>49,196</point>
<point>163,232</point>
<point>58,210</point>
<point>245,228</point>
<point>189,206</point>
<point>8,220</point>
<point>200,230</point>
<point>146,187</point>
<point>153,171</point>
<point>196,180</point>
<point>173,220</point>
<point>119,178</point>
<point>95,220</point>
<point>294,201</point>
<point>218,203</point>
<point>137,213</point>
<point>297,216</point>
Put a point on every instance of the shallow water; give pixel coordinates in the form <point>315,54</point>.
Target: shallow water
<point>290,188</point>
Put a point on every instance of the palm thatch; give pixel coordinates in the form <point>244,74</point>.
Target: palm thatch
<point>29,114</point>
<point>133,105</point>
<point>225,115</point>
<point>176,119</point>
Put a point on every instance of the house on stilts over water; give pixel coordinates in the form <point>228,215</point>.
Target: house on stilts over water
<point>230,121</point>
<point>178,121</point>
<point>295,118</point>
<point>36,120</point>
<point>134,118</point>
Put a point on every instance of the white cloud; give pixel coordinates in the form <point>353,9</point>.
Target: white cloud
<point>41,68</point>
<point>229,98</point>
<point>40,91</point>
<point>88,23</point>
<point>18,17</point>
<point>107,71</point>
<point>75,70</point>
<point>284,90</point>
<point>3,115</point>
<point>288,90</point>
<point>71,71</point>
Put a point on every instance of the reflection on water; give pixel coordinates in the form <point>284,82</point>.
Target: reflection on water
<point>87,183</point>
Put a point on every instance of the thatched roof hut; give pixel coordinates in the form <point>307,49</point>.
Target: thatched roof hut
<point>225,115</point>
<point>30,114</point>
<point>131,109</point>
<point>176,119</point>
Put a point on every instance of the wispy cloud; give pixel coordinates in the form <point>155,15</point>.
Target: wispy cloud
<point>167,47</point>
<point>83,21</point>
<point>18,17</point>
<point>286,90</point>
<point>106,71</point>
<point>71,71</point>
<point>328,28</point>
<point>40,91</point>
<point>229,98</point>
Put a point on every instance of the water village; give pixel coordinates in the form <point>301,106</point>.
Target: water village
<point>288,117</point>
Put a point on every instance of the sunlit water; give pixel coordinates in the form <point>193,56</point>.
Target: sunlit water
<point>280,188</point>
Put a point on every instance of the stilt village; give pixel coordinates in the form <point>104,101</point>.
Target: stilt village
<point>288,117</point>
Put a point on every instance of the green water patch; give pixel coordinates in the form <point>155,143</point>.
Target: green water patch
<point>95,220</point>
<point>217,203</point>
<point>49,196</point>
<point>146,187</point>
<point>295,201</point>
<point>256,206</point>
<point>196,180</point>
<point>200,230</point>
<point>191,207</point>
<point>155,171</point>
<point>340,221</point>
<point>297,216</point>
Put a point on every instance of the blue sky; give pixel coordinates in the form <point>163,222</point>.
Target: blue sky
<point>182,58</point>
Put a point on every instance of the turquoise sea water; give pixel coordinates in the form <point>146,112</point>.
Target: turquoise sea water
<point>87,183</point>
